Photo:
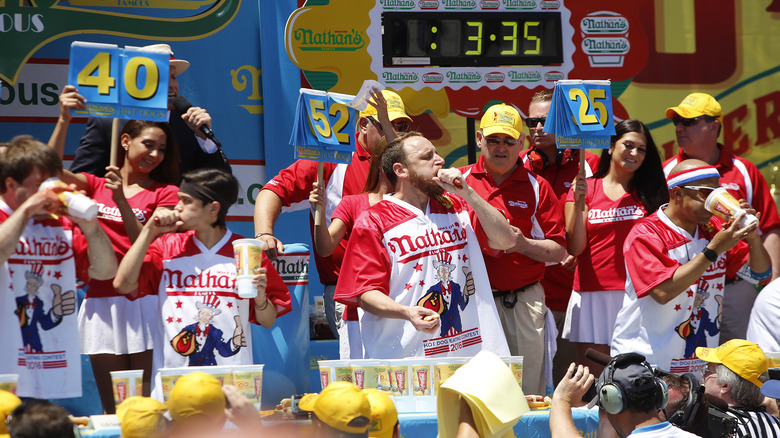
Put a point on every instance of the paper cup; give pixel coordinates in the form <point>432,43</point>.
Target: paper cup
<point>515,364</point>
<point>445,367</point>
<point>223,373</point>
<point>773,359</point>
<point>398,371</point>
<point>421,376</point>
<point>327,370</point>
<point>8,382</point>
<point>365,373</point>
<point>383,377</point>
<point>722,204</point>
<point>248,379</point>
<point>342,372</point>
<point>169,376</point>
<point>126,383</point>
<point>248,254</point>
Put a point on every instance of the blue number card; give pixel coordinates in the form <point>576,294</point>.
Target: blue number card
<point>123,83</point>
<point>580,114</point>
<point>324,128</point>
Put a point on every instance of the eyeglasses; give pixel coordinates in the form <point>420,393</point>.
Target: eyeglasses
<point>690,122</point>
<point>494,141</point>
<point>704,191</point>
<point>706,372</point>
<point>399,126</point>
<point>533,122</point>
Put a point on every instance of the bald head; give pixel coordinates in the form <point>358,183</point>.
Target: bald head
<point>688,165</point>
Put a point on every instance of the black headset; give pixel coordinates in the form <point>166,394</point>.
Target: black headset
<point>685,418</point>
<point>612,395</point>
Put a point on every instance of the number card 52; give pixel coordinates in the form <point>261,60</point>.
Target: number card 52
<point>123,83</point>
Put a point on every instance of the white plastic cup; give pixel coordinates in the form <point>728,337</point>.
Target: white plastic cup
<point>248,254</point>
<point>722,204</point>
<point>8,382</point>
<point>126,384</point>
<point>444,368</point>
<point>365,373</point>
<point>327,371</point>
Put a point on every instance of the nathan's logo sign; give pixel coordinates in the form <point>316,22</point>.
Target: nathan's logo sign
<point>293,268</point>
<point>329,40</point>
<point>605,40</point>
<point>604,24</point>
<point>400,78</point>
<point>524,76</point>
<point>489,4</point>
<point>494,77</point>
<point>25,28</point>
<point>459,4</point>
<point>433,78</point>
<point>463,77</point>
<point>397,4</point>
<point>519,4</point>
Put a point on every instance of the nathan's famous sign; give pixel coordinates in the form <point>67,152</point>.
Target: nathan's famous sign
<point>25,28</point>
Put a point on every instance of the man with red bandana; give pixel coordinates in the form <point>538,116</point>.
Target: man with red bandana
<point>697,121</point>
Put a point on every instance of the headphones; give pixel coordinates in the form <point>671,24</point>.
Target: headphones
<point>612,395</point>
<point>539,159</point>
<point>684,418</point>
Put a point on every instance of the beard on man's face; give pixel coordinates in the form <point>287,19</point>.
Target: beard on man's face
<point>425,185</point>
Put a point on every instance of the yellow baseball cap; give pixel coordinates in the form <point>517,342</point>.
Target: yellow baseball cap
<point>8,402</point>
<point>395,107</point>
<point>743,357</point>
<point>384,414</point>
<point>197,394</point>
<point>501,119</point>
<point>341,405</point>
<point>142,417</point>
<point>695,105</point>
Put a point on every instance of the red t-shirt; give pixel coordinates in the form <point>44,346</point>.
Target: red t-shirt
<point>294,184</point>
<point>601,265</point>
<point>143,204</point>
<point>529,203</point>
<point>558,280</point>
<point>348,211</point>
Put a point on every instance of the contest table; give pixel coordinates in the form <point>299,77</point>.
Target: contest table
<point>535,424</point>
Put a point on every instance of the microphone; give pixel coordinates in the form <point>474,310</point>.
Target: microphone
<point>598,357</point>
<point>182,105</point>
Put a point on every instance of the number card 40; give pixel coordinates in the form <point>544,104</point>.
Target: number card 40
<point>124,83</point>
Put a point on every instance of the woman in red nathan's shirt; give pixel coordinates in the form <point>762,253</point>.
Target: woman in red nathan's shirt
<point>116,331</point>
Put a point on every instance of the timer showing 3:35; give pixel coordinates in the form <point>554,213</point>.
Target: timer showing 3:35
<point>473,39</point>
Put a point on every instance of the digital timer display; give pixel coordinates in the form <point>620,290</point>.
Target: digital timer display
<point>471,39</point>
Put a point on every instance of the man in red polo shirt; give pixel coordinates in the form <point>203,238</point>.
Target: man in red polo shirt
<point>697,120</point>
<point>291,188</point>
<point>532,208</point>
<point>558,167</point>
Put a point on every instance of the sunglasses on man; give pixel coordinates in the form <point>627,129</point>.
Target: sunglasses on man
<point>399,126</point>
<point>533,122</point>
<point>690,122</point>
